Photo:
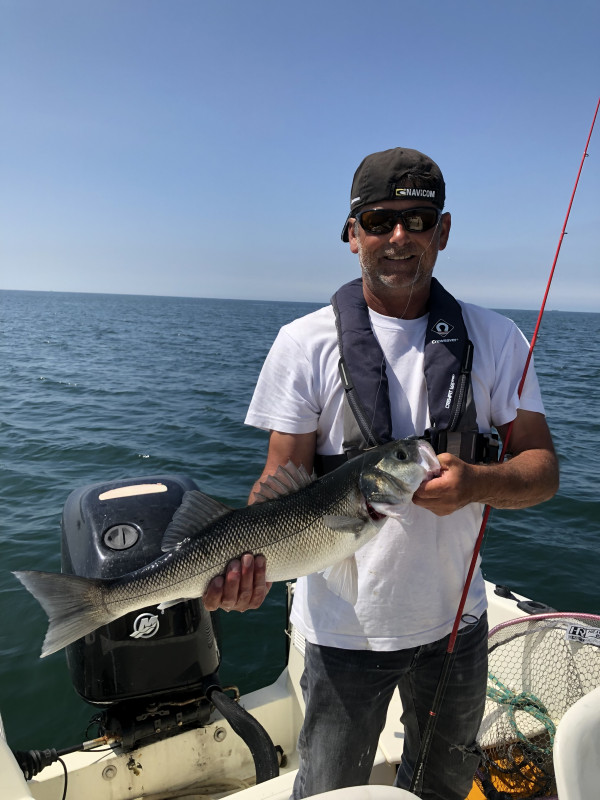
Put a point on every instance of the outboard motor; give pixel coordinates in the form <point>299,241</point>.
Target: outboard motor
<point>153,673</point>
<point>148,659</point>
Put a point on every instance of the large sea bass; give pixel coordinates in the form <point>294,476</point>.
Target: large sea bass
<point>302,526</point>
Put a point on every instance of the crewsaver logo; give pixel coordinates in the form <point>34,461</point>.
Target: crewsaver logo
<point>442,328</point>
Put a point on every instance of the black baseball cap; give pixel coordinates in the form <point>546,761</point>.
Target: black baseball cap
<point>392,175</point>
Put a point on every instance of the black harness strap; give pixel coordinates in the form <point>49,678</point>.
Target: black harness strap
<point>362,365</point>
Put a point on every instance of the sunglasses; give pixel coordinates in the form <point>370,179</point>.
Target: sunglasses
<point>384,220</point>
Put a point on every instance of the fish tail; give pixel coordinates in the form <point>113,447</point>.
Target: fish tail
<point>73,605</point>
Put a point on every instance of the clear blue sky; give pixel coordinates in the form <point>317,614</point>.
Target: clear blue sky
<point>183,147</point>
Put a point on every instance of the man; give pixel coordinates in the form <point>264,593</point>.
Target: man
<point>403,337</point>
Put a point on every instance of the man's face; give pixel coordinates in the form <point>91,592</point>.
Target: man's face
<point>399,259</point>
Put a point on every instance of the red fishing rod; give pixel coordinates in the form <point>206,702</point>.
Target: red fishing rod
<point>447,663</point>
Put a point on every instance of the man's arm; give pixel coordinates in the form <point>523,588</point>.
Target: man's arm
<point>244,585</point>
<point>529,477</point>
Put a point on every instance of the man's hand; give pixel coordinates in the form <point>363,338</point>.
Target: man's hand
<point>448,492</point>
<point>529,477</point>
<point>244,586</point>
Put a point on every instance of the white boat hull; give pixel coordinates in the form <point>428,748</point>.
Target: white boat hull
<point>213,762</point>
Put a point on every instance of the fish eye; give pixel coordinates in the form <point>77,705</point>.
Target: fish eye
<point>401,455</point>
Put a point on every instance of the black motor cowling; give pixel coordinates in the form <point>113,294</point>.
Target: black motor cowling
<point>154,672</point>
<point>109,529</point>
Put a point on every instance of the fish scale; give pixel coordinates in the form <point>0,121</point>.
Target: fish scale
<point>319,526</point>
<point>188,570</point>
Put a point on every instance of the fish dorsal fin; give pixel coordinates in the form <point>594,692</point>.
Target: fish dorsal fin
<point>196,511</point>
<point>285,480</point>
<point>342,579</point>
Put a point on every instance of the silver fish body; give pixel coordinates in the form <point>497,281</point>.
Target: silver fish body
<point>306,530</point>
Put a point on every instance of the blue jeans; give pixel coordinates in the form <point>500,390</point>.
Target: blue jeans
<point>347,693</point>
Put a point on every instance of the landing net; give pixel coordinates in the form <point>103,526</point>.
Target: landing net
<point>539,666</point>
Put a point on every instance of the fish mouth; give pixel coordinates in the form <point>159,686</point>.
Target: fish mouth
<point>373,513</point>
<point>429,460</point>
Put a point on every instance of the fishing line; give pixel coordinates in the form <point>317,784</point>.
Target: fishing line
<point>414,280</point>
<point>447,663</point>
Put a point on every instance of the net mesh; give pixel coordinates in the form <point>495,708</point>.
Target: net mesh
<point>539,666</point>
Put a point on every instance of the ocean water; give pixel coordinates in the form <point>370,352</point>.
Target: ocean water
<point>98,387</point>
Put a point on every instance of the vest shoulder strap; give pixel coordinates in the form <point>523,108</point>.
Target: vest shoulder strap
<point>448,362</point>
<point>361,366</point>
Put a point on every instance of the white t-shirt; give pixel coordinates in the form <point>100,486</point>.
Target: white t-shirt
<point>411,575</point>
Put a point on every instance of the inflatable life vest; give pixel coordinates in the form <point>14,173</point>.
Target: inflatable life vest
<point>448,362</point>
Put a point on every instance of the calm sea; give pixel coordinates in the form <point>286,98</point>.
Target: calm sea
<point>98,387</point>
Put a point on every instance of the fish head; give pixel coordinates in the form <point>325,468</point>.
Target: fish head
<point>393,472</point>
